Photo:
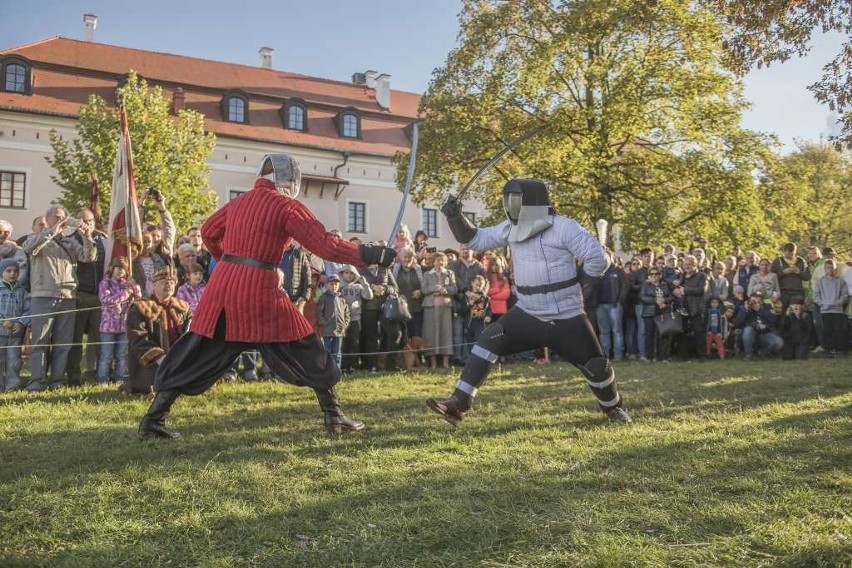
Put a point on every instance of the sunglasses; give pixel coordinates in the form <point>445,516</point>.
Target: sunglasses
<point>653,273</point>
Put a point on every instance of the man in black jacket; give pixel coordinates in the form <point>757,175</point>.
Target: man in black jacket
<point>759,323</point>
<point>88,317</point>
<point>611,297</point>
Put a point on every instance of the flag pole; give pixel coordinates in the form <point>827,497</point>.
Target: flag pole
<point>127,218</point>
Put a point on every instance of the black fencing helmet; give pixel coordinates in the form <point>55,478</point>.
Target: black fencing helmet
<point>518,193</point>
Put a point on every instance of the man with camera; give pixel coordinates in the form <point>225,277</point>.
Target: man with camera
<point>87,320</point>
<point>53,290</point>
<point>759,323</point>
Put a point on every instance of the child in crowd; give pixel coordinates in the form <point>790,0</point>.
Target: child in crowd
<point>479,308</point>
<point>796,329</point>
<point>191,290</point>
<point>717,326</point>
<point>354,288</point>
<point>733,335</point>
<point>14,313</point>
<point>403,239</point>
<point>739,298</point>
<point>333,317</point>
<point>115,291</point>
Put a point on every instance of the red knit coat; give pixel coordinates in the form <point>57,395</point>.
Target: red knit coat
<point>259,224</point>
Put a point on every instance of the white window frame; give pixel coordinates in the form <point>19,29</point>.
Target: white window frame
<point>424,221</point>
<point>366,216</point>
<point>27,186</point>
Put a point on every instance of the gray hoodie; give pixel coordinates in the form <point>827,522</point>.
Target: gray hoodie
<point>831,294</point>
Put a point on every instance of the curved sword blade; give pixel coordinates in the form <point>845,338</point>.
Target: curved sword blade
<point>409,178</point>
<point>509,147</point>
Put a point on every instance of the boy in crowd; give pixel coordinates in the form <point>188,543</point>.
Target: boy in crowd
<point>796,329</point>
<point>14,312</point>
<point>333,317</point>
<point>354,289</point>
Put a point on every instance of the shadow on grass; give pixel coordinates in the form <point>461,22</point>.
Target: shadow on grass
<point>447,509</point>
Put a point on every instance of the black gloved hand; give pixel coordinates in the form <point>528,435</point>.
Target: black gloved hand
<point>375,254</point>
<point>451,207</point>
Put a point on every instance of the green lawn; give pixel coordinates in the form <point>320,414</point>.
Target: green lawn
<point>726,464</point>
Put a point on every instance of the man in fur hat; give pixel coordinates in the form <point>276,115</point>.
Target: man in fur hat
<point>243,304</point>
<point>154,324</point>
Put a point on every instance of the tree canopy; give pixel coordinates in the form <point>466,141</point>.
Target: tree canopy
<point>762,32</point>
<point>811,185</point>
<point>643,119</point>
<point>169,153</point>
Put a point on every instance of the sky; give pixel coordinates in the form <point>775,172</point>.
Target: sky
<point>333,39</point>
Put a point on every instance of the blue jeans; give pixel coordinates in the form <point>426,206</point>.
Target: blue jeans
<point>610,319</point>
<point>766,343</point>
<point>10,362</point>
<point>333,345</point>
<point>112,344</point>
<point>640,330</point>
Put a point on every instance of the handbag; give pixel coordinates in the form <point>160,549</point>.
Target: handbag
<point>669,322</point>
<point>395,308</point>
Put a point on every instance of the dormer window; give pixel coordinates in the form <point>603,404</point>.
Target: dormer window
<point>235,108</point>
<point>348,124</point>
<point>295,115</point>
<point>16,76</point>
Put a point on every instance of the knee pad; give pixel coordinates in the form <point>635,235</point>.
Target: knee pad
<point>598,372</point>
<point>491,343</point>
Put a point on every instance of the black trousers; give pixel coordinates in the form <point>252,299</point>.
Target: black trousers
<point>834,331</point>
<point>369,338</point>
<point>573,340</point>
<point>195,363</point>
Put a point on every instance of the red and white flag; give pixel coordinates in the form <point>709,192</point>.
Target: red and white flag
<point>125,224</point>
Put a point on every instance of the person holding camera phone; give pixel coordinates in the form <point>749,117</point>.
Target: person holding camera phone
<point>87,320</point>
<point>53,290</point>
<point>157,244</point>
<point>759,321</point>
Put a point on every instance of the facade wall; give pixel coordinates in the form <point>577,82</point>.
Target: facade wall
<point>24,144</point>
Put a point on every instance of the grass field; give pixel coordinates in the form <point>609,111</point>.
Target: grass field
<point>727,464</point>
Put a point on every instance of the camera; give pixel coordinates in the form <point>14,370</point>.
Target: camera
<point>73,222</point>
<point>155,194</point>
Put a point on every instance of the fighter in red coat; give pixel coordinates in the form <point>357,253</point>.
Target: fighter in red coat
<point>244,306</point>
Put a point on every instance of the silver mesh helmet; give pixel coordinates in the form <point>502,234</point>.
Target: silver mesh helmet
<point>283,170</point>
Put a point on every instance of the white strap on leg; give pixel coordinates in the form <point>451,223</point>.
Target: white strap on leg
<point>467,388</point>
<point>483,353</point>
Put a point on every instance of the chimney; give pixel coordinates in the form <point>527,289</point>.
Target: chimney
<point>265,57</point>
<point>178,100</point>
<point>91,22</point>
<point>370,77</point>
<point>383,91</point>
<point>359,79</point>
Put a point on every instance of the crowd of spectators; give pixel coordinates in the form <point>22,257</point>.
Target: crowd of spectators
<point>58,288</point>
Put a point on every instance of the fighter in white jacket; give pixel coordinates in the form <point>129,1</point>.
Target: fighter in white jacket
<point>549,311</point>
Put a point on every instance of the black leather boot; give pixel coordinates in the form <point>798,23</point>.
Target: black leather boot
<point>335,421</point>
<point>451,409</point>
<point>154,422</point>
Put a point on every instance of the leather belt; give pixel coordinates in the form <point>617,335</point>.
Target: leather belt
<point>547,288</point>
<point>247,261</point>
